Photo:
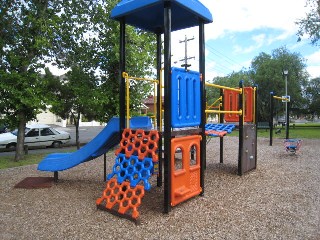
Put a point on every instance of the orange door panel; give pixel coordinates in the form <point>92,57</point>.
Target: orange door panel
<point>185,165</point>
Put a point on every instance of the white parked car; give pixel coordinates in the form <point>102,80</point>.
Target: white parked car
<point>36,135</point>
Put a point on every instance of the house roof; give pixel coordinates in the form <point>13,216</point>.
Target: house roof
<point>149,15</point>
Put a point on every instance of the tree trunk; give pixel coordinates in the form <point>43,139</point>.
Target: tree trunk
<point>77,121</point>
<point>20,138</point>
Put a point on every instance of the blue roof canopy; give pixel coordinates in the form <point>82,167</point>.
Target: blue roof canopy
<point>148,14</point>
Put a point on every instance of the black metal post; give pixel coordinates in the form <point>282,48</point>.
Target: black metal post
<point>271,117</point>
<point>159,102</point>
<point>241,120</point>
<point>167,106</point>
<point>221,120</point>
<point>55,176</point>
<point>287,120</point>
<point>105,167</point>
<point>256,122</point>
<point>203,104</point>
<point>122,94</point>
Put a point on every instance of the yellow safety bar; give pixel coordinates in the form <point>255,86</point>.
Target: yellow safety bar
<point>281,98</point>
<point>219,99</point>
<point>239,90</point>
<point>128,78</point>
<point>243,106</point>
<point>222,111</point>
<point>214,103</point>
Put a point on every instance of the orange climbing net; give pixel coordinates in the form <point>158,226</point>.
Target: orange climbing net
<point>122,196</point>
<point>139,143</point>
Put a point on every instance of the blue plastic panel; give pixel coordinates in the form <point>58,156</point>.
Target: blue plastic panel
<point>185,98</point>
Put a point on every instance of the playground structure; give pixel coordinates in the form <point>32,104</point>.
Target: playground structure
<point>176,150</point>
<point>183,98</point>
<point>237,105</point>
<point>184,130</point>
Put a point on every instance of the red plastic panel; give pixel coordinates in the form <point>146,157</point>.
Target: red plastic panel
<point>231,103</point>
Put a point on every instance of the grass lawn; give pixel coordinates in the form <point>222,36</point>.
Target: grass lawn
<point>7,161</point>
<point>303,130</point>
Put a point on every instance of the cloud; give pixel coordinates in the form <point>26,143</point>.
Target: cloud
<point>314,64</point>
<point>314,58</point>
<point>248,15</point>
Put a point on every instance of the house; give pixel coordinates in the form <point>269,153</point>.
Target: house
<point>49,118</point>
<point>149,103</point>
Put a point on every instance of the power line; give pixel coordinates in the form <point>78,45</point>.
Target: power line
<point>227,59</point>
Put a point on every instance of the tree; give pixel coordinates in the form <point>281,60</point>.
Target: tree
<point>267,71</point>
<point>310,25</point>
<point>88,45</point>
<point>74,95</point>
<point>89,39</point>
<point>25,38</point>
<point>313,96</point>
<point>140,58</point>
<point>76,34</point>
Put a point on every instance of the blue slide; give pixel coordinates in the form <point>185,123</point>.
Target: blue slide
<point>103,142</point>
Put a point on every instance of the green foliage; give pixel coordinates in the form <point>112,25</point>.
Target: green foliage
<point>25,40</point>
<point>312,93</point>
<point>267,72</point>
<point>140,59</point>
<point>232,80</point>
<point>89,40</point>
<point>310,25</point>
<point>76,35</point>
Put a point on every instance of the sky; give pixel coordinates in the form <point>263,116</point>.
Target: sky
<point>241,30</point>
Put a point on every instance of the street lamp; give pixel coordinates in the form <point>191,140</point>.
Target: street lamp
<point>286,72</point>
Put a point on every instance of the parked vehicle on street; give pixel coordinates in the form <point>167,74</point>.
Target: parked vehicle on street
<point>36,135</point>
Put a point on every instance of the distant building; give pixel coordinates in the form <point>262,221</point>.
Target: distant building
<point>149,103</point>
<point>49,118</point>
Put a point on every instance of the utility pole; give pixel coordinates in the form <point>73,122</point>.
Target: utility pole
<point>186,58</point>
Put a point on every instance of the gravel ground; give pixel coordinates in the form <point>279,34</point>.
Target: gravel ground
<point>278,200</point>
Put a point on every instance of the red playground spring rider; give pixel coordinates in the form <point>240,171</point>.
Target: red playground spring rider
<point>292,145</point>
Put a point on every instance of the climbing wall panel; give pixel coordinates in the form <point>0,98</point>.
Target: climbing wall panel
<point>249,148</point>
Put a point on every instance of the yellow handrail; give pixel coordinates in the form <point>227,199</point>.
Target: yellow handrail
<point>222,111</point>
<point>128,78</point>
<point>224,87</point>
<point>281,98</point>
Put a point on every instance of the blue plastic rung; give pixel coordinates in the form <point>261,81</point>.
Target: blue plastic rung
<point>220,127</point>
<point>133,170</point>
